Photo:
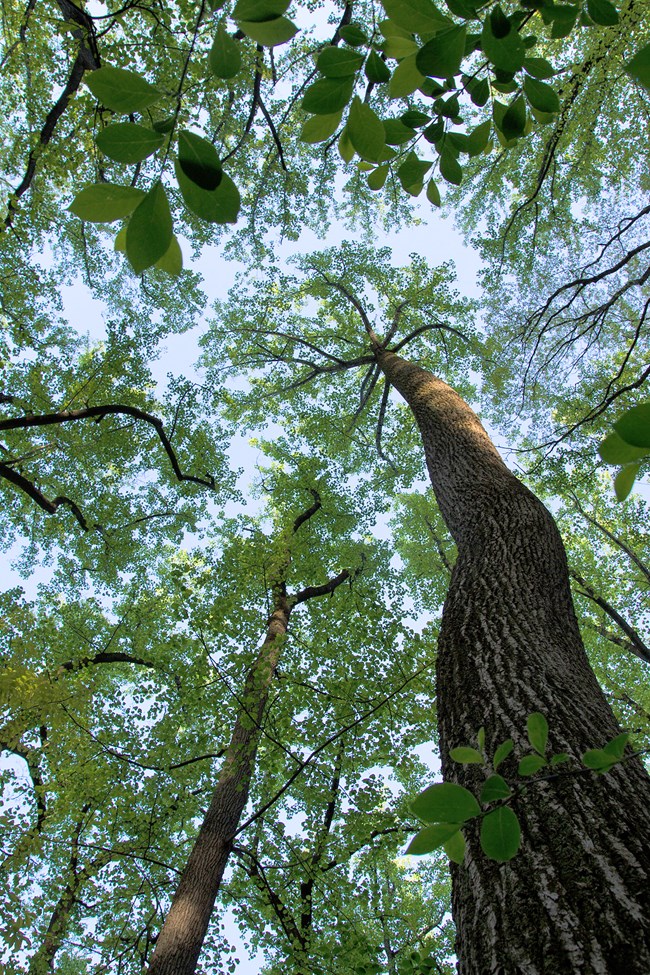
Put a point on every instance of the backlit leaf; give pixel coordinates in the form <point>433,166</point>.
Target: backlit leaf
<point>537,726</point>
<point>199,160</point>
<point>455,846</point>
<point>365,131</point>
<point>624,480</point>
<point>224,59</point>
<point>445,802</point>
<point>615,450</point>
<point>338,62</point>
<point>328,95</point>
<point>149,232</point>
<point>639,67</point>
<point>441,56</point>
<point>172,259</point>
<point>269,33</point>
<point>466,756</point>
<point>495,788</point>
<point>634,426</point>
<point>120,90</point>
<point>500,834</point>
<point>220,205</point>
<point>318,128</point>
<point>541,96</point>
<point>104,202</point>
<point>431,838</point>
<point>126,142</point>
<point>502,752</point>
<point>405,79</point>
<point>416,16</point>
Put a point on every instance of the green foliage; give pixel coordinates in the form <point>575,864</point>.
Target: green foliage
<point>448,808</point>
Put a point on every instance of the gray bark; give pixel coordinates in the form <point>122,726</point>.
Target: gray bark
<point>576,899</point>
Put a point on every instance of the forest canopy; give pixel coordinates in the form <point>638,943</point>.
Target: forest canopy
<point>227,687</point>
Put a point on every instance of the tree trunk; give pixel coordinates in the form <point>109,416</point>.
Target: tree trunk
<point>181,937</point>
<point>576,898</point>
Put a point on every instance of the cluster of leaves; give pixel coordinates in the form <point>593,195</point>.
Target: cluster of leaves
<point>628,444</point>
<point>475,56</point>
<point>447,807</point>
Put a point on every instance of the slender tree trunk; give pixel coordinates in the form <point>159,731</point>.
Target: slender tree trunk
<point>576,899</point>
<point>181,937</point>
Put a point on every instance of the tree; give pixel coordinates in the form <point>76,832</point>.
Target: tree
<point>510,567</point>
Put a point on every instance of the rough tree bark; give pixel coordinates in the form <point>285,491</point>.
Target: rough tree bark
<point>181,937</point>
<point>576,899</point>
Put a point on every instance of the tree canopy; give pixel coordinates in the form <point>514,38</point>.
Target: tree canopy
<point>140,664</point>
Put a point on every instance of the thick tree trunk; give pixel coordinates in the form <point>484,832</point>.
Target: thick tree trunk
<point>576,899</point>
<point>181,937</point>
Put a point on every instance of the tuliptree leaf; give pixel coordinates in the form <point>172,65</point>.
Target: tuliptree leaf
<point>634,426</point>
<point>122,91</point>
<point>220,205</point>
<point>445,802</point>
<point>431,838</point>
<point>338,62</point>
<point>199,160</point>
<point>224,59</point>
<point>500,834</point>
<point>441,56</point>
<point>149,232</point>
<point>127,142</point>
<point>105,202</point>
<point>537,727</point>
<point>365,131</point>
<point>328,95</point>
<point>269,33</point>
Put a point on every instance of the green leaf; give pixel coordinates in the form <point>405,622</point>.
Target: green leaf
<point>502,752</point>
<point>431,838</point>
<point>434,132</point>
<point>441,56</point>
<point>104,202</point>
<point>495,788</point>
<point>616,747</point>
<point>530,764</point>
<point>338,62</point>
<point>149,232</point>
<point>199,160</point>
<point>467,9</point>
<point>165,125</point>
<point>615,450</point>
<point>377,177</point>
<point>560,758</point>
<point>399,47</point>
<point>345,147</point>
<point>539,68</point>
<point>376,69</point>
<point>537,726</point>
<point>480,738</point>
<point>500,834</point>
<point>450,168</point>
<point>634,426</point>
<point>126,142</point>
<point>257,11</point>
<point>396,133</point>
<point>416,16</point>
<point>328,95</point>
<point>480,92</point>
<point>269,33</point>
<point>365,131</point>
<point>564,17</point>
<point>220,205</point>
<point>433,193</point>
<point>599,760</point>
<point>405,79</point>
<point>122,91</point>
<point>602,12</point>
<point>541,96</point>
<point>318,128</point>
<point>638,67</point>
<point>353,35</point>
<point>479,138</point>
<point>412,172</point>
<point>454,847</point>
<point>506,51</point>
<point>445,802</point>
<point>466,756</point>
<point>513,122</point>
<point>224,59</point>
<point>415,119</point>
<point>172,259</point>
<point>624,480</point>
<point>119,244</point>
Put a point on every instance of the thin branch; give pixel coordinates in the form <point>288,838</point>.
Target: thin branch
<point>638,647</point>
